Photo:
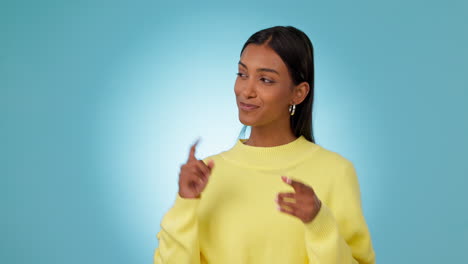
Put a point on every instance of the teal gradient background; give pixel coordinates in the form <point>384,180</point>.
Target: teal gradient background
<point>100,101</point>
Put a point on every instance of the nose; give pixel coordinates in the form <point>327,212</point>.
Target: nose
<point>249,89</point>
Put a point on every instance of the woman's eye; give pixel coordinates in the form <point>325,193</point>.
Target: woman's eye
<point>266,80</point>
<point>240,74</point>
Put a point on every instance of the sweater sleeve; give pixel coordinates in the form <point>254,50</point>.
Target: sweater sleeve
<point>178,237</point>
<point>339,233</point>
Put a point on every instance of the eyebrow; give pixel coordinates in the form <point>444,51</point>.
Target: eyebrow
<point>260,69</point>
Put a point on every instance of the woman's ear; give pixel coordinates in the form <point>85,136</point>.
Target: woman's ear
<point>300,92</point>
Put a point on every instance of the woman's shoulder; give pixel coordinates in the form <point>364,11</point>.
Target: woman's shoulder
<point>330,156</point>
<point>214,157</point>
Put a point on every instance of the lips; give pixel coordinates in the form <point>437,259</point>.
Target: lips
<point>247,107</point>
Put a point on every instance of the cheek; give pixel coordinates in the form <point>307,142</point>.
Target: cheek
<point>275,100</point>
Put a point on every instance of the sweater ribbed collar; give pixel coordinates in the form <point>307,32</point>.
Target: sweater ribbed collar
<point>277,157</point>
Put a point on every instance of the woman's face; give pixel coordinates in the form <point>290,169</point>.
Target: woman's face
<point>264,83</point>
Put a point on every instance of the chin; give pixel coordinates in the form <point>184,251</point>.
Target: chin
<point>245,121</point>
<point>248,120</point>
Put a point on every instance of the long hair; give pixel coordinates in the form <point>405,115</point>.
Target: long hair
<point>296,51</point>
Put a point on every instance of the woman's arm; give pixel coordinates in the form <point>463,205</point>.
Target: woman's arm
<point>339,233</point>
<point>178,238</point>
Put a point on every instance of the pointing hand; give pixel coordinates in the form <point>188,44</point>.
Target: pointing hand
<point>306,204</point>
<point>194,175</point>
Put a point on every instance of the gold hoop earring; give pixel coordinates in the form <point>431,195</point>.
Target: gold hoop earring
<point>292,109</point>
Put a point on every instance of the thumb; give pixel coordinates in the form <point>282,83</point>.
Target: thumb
<point>210,164</point>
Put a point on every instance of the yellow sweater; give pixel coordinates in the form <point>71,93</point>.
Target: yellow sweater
<point>236,221</point>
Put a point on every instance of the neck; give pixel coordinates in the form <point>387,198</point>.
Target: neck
<point>270,135</point>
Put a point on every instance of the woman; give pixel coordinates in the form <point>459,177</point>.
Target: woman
<point>276,197</point>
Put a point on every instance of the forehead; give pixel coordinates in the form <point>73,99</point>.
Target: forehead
<point>262,56</point>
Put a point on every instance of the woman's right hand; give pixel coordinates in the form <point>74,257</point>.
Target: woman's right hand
<point>194,175</point>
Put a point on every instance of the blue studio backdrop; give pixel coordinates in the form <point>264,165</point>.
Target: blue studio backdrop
<point>100,101</point>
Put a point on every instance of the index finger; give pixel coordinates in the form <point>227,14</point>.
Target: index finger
<point>297,185</point>
<point>192,151</point>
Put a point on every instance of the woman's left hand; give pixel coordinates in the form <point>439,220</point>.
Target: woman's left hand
<point>306,204</point>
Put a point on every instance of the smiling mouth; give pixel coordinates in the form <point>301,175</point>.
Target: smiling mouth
<point>247,107</point>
